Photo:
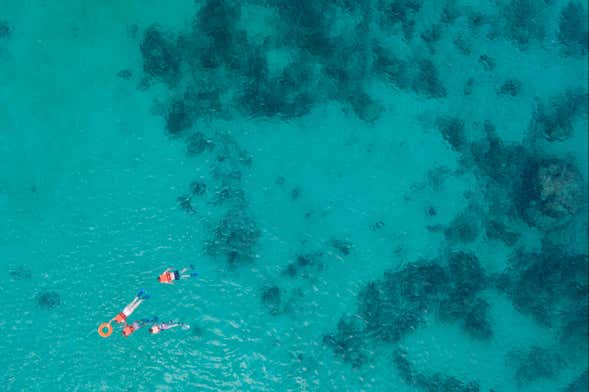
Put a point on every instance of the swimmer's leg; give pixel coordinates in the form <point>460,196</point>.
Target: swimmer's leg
<point>192,275</point>
<point>127,310</point>
<point>131,307</point>
<point>142,294</point>
<point>135,304</point>
<point>132,303</point>
<point>152,320</point>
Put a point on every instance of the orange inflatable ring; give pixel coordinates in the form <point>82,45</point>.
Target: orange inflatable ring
<point>105,330</point>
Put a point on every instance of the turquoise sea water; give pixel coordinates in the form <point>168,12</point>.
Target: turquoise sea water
<point>383,195</point>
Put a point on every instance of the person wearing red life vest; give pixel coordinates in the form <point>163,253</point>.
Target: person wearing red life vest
<point>157,328</point>
<point>131,307</point>
<point>129,329</point>
<point>169,276</point>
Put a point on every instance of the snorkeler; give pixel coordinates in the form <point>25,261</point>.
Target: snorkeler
<point>169,276</point>
<point>135,325</point>
<point>122,317</point>
<point>169,325</point>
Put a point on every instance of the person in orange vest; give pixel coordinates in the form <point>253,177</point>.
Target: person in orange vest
<point>131,307</point>
<point>135,325</point>
<point>157,328</point>
<point>169,275</point>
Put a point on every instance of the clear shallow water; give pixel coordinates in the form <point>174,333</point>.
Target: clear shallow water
<point>297,163</point>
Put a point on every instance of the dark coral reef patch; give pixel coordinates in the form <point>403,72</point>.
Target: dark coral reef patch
<point>48,299</point>
<point>234,238</point>
<point>395,305</point>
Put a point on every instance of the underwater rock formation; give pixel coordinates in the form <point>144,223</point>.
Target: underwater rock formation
<point>572,29</point>
<point>427,81</point>
<point>396,305</point>
<point>519,26</point>
<point>178,117</point>
<point>295,193</point>
<point>394,69</point>
<point>198,188</point>
<point>343,247</point>
<point>555,118</point>
<point>551,193</point>
<point>403,12</point>
<point>20,273</point>
<point>197,143</point>
<point>420,76</point>
<point>229,193</point>
<point>464,228</point>
<point>125,74</point>
<point>580,384</point>
<point>271,300</point>
<point>185,204</point>
<point>547,285</point>
<point>365,107</point>
<point>497,230</point>
<point>497,161</point>
<point>522,183</point>
<point>348,341</point>
<point>234,238</point>
<point>161,58</point>
<point>404,366</point>
<point>461,303</point>
<point>216,20</point>
<point>48,300</point>
<point>487,62</point>
<point>5,29</point>
<point>467,274</point>
<point>468,86</point>
<point>270,99</point>
<point>433,383</point>
<point>197,331</point>
<point>303,263</point>
<point>534,363</point>
<point>452,130</point>
<point>574,322</point>
<point>510,87</point>
<point>201,102</point>
<point>378,225</point>
<point>231,152</point>
<point>431,36</point>
<point>463,44</point>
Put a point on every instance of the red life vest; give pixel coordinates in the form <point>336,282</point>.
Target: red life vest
<point>120,318</point>
<point>128,330</point>
<point>167,277</point>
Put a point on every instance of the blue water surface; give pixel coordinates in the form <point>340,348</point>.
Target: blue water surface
<point>379,195</point>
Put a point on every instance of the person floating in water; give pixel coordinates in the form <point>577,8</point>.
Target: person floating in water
<point>169,276</point>
<point>135,325</point>
<point>122,317</point>
<point>155,329</point>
